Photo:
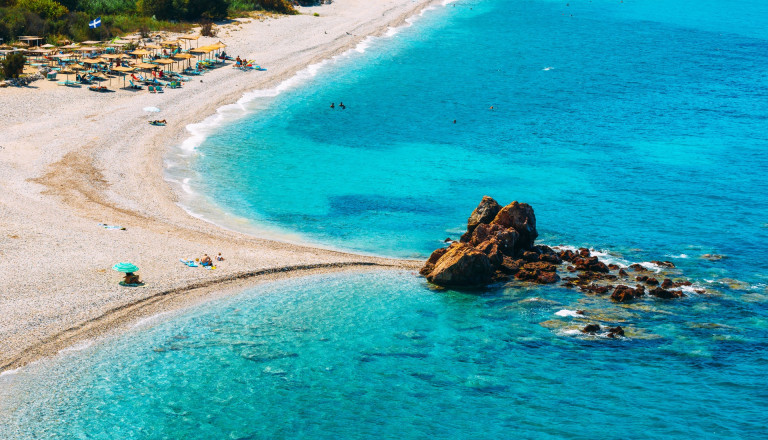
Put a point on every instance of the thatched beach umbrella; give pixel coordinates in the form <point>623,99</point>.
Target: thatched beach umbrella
<point>124,71</point>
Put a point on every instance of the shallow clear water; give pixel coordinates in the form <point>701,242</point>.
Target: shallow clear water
<point>634,127</point>
<point>380,355</point>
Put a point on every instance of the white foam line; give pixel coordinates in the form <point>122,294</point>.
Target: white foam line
<point>149,319</point>
<point>77,347</point>
<point>200,131</point>
<point>566,312</point>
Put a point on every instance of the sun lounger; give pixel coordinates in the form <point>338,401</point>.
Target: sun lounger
<point>151,89</point>
<point>159,88</point>
<point>134,86</point>
<point>98,89</point>
<point>68,83</point>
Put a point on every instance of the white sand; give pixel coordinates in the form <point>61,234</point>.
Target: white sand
<point>71,158</point>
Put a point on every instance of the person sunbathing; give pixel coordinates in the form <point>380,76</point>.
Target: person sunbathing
<point>131,278</point>
<point>206,261</point>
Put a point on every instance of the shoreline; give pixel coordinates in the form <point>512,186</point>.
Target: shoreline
<point>73,160</point>
<point>123,316</point>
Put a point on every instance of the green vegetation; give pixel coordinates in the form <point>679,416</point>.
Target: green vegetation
<point>12,65</point>
<point>68,19</point>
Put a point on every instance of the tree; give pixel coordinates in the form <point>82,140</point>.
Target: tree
<point>44,8</point>
<point>13,65</point>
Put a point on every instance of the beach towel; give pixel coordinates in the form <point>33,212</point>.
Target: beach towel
<point>112,227</point>
<point>190,263</point>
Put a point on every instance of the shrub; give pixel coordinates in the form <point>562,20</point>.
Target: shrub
<point>13,65</point>
<point>43,8</point>
<point>282,6</point>
<point>207,29</point>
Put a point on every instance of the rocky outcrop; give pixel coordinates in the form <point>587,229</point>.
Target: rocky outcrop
<point>500,245</point>
<point>461,265</point>
<point>484,213</point>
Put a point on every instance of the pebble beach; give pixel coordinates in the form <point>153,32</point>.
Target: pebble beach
<point>71,161</point>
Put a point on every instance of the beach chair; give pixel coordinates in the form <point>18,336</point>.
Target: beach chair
<point>134,86</point>
<point>51,76</point>
<point>159,88</point>
<point>151,88</point>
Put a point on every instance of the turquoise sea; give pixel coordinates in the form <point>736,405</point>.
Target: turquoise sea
<point>636,128</point>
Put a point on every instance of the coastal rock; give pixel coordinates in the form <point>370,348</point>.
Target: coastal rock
<point>510,265</point>
<point>491,248</point>
<point>429,266</point>
<point>530,256</point>
<point>591,328</point>
<point>624,293</point>
<point>520,217</point>
<point>638,267</point>
<point>668,264</point>
<point>666,294</point>
<point>547,278</point>
<point>596,289</point>
<point>484,213</point>
<point>591,264</point>
<point>652,282</point>
<point>615,331</point>
<point>623,273</point>
<point>462,266</point>
<point>713,257</point>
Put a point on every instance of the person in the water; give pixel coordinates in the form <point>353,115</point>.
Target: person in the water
<point>333,105</point>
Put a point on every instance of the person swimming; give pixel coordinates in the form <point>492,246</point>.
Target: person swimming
<point>342,106</point>
<point>333,105</point>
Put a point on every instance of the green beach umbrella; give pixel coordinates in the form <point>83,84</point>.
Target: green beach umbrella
<point>125,267</point>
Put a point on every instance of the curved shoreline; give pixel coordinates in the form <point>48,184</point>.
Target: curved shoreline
<point>99,162</point>
<point>121,316</point>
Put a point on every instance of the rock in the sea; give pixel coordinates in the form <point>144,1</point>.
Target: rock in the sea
<point>624,293</point>
<point>713,257</point>
<point>520,217</point>
<point>638,267</point>
<point>623,273</point>
<point>615,331</point>
<point>491,248</point>
<point>462,266</point>
<point>664,264</point>
<point>591,264</point>
<point>591,328</point>
<point>484,213</point>
<point>429,266</point>
<point>666,294</point>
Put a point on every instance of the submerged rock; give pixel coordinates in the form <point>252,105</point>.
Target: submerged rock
<point>624,293</point>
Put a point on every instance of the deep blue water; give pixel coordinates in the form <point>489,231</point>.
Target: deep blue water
<point>639,128</point>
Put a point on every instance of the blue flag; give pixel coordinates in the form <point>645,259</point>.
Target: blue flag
<point>95,23</point>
